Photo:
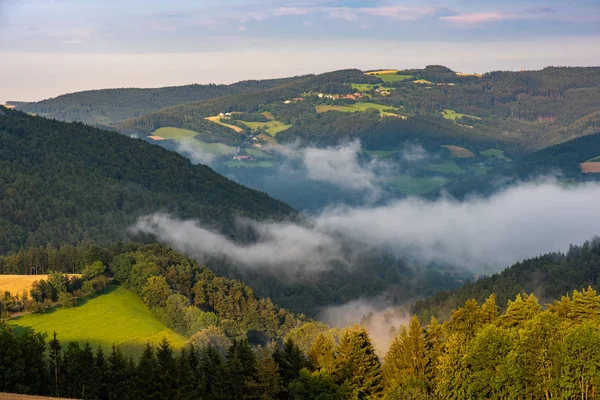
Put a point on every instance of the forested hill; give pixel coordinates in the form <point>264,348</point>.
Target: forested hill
<point>549,277</point>
<point>562,160</point>
<point>68,182</point>
<point>107,106</point>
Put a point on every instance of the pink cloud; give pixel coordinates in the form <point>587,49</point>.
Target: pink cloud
<point>291,11</point>
<point>348,14</point>
<point>470,19</point>
<point>399,13</point>
<point>254,15</point>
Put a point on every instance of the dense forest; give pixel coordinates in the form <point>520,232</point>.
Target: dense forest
<point>67,182</point>
<point>522,353</point>
<point>108,106</point>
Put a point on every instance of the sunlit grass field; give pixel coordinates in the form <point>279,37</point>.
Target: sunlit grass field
<point>118,316</point>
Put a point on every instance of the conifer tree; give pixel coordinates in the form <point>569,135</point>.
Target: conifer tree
<point>147,382</point>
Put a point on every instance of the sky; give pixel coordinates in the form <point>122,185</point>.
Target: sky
<point>50,47</point>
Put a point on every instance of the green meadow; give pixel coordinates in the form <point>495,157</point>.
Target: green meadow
<point>271,127</point>
<point>118,316</point>
<point>394,77</point>
<point>595,159</point>
<point>383,109</point>
<point>453,115</point>
<point>447,167</point>
<point>217,149</point>
<point>495,153</point>
<point>411,186</point>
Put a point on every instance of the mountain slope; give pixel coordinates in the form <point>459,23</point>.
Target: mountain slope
<point>549,277</point>
<point>67,182</point>
<point>107,106</point>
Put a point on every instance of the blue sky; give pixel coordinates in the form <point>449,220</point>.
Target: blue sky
<point>88,44</point>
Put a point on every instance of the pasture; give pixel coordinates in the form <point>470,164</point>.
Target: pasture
<point>248,164</point>
<point>447,167</point>
<point>459,152</point>
<point>218,120</point>
<point>453,115</point>
<point>497,153</point>
<point>271,127</point>
<point>411,186</point>
<point>394,77</point>
<point>117,316</point>
<point>590,167</point>
<point>480,170</point>
<point>383,110</point>
<point>178,134</point>
<point>16,284</point>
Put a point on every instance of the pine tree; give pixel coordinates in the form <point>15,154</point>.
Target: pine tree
<point>147,385</point>
<point>321,354</point>
<point>268,384</point>
<point>356,364</point>
<point>100,387</point>
<point>167,373</point>
<point>406,359</point>
<point>55,364</point>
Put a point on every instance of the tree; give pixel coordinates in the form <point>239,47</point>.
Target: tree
<point>318,385</point>
<point>166,371</point>
<point>66,300</point>
<point>96,269</point>
<point>268,384</point>
<point>156,292</point>
<point>147,385</point>
<point>55,363</point>
<point>211,337</point>
<point>321,354</point>
<point>356,364</point>
<point>290,360</point>
<point>406,361</point>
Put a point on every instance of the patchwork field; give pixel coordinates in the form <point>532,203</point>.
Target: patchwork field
<point>411,186</point>
<point>218,120</point>
<point>16,284</point>
<point>590,167</point>
<point>447,167</point>
<point>117,317</point>
<point>459,152</point>
<point>271,127</point>
<point>453,115</point>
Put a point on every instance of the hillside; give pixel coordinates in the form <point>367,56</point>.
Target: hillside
<point>115,317</point>
<point>67,182</point>
<point>549,277</point>
<point>107,106</point>
<point>563,161</point>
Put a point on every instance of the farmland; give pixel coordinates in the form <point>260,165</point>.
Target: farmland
<point>271,127</point>
<point>174,133</point>
<point>497,153</point>
<point>423,82</point>
<point>459,152</point>
<point>116,317</point>
<point>590,167</point>
<point>389,75</point>
<point>248,164</point>
<point>16,284</point>
<point>453,115</point>
<point>218,120</point>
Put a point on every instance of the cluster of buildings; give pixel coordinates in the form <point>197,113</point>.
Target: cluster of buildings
<point>243,158</point>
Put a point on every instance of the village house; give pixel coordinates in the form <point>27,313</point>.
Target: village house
<point>243,158</point>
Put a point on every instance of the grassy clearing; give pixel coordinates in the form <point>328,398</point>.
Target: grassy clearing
<point>595,159</point>
<point>480,170</point>
<point>411,186</point>
<point>448,167</point>
<point>267,138</point>
<point>383,110</point>
<point>271,127</point>
<point>394,77</point>
<point>256,153</point>
<point>497,153</point>
<point>459,152</point>
<point>382,72</point>
<point>423,82</point>
<point>380,153</point>
<point>16,284</point>
<point>248,164</point>
<point>116,317</point>
<point>178,134</point>
<point>174,133</point>
<point>453,115</point>
<point>218,120</point>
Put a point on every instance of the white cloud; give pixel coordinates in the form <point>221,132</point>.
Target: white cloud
<point>481,234</point>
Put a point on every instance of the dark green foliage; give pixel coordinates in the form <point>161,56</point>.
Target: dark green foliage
<point>107,106</point>
<point>65,183</point>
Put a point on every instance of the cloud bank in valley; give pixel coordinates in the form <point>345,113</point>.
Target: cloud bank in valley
<point>481,234</point>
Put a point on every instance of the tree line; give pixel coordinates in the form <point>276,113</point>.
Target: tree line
<point>521,353</point>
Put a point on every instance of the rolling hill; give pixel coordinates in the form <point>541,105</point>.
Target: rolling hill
<point>67,182</point>
<point>107,106</point>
